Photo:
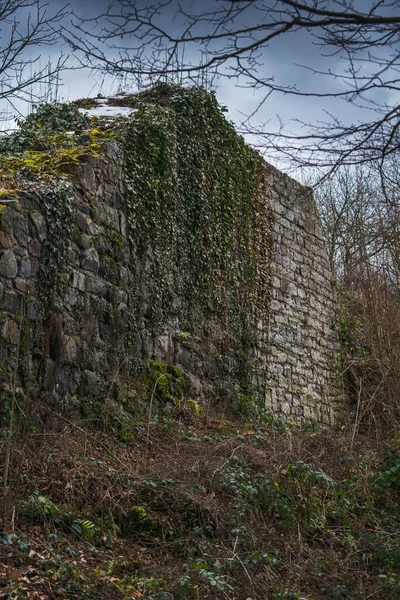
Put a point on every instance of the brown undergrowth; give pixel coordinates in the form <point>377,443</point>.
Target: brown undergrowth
<point>199,507</point>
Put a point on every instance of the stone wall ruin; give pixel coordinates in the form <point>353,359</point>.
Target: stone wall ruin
<point>88,328</point>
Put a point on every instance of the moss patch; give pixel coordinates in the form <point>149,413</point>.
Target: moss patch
<point>8,195</point>
<point>167,383</point>
<point>48,139</point>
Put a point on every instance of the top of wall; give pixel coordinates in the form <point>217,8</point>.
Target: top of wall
<point>53,136</point>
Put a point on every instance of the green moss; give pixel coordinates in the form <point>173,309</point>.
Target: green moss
<point>69,155</point>
<point>195,408</point>
<point>34,161</point>
<point>167,382</point>
<point>102,135</point>
<point>177,371</point>
<point>9,195</point>
<point>62,139</point>
<point>35,164</point>
<point>44,144</point>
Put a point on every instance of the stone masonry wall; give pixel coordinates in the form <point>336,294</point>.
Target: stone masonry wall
<point>87,335</point>
<point>301,379</point>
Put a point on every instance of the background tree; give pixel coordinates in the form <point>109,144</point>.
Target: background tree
<point>26,26</point>
<point>361,217</point>
<point>356,60</point>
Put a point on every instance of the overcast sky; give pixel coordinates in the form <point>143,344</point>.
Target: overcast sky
<point>280,60</point>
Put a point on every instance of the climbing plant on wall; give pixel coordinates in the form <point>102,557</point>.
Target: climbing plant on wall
<point>58,209</point>
<point>33,158</point>
<point>193,194</point>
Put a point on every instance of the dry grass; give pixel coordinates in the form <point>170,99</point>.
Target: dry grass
<point>201,509</point>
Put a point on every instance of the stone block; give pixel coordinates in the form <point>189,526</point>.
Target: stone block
<point>33,311</point>
<point>95,286</point>
<point>83,241</point>
<point>92,384</point>
<point>35,248</point>
<point>8,265</point>
<point>21,233</point>
<point>164,348</point>
<point>10,332</point>
<point>124,225</point>
<point>94,229</point>
<point>22,285</point>
<point>184,357</point>
<point>5,240</point>
<point>123,277</point>
<point>81,221</point>
<point>90,261</point>
<point>39,223</point>
<point>78,281</point>
<point>120,296</point>
<point>24,267</point>
<point>11,302</point>
<point>72,258</point>
<point>70,349</point>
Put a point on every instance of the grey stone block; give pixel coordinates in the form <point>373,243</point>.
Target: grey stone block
<point>90,261</point>
<point>8,265</point>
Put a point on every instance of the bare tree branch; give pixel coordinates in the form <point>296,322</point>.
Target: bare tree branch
<point>26,26</point>
<point>235,39</point>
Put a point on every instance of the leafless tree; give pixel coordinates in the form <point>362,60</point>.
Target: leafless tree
<point>356,49</point>
<point>26,26</point>
<point>348,205</point>
<point>360,212</point>
<point>361,218</point>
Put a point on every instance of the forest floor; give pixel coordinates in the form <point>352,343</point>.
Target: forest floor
<point>200,507</point>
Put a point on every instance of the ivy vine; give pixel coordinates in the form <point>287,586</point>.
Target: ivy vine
<point>42,123</point>
<point>193,195</point>
<point>57,201</point>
